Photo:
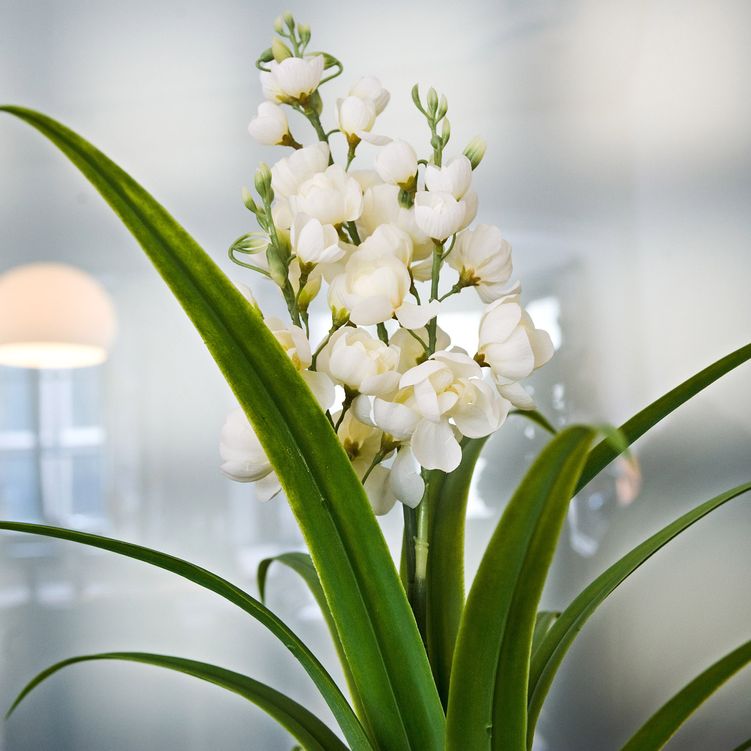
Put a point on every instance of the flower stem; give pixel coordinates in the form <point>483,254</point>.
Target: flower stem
<point>419,591</point>
<point>434,277</point>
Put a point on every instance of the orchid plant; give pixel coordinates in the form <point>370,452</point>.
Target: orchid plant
<point>384,409</point>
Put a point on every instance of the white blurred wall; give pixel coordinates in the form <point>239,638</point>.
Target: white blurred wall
<point>618,165</point>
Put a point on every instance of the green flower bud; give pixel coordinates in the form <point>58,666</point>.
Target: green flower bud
<point>303,30</point>
<point>445,132</point>
<point>247,197</point>
<point>266,56</point>
<point>443,107</point>
<point>416,98</point>
<point>475,151</point>
<point>263,183</point>
<point>278,24</point>
<point>432,101</point>
<point>277,266</point>
<point>280,50</point>
<point>309,291</point>
<point>289,20</point>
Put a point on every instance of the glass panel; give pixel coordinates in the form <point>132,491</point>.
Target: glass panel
<point>19,486</point>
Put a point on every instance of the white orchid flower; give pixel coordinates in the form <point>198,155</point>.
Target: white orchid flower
<point>269,126</point>
<point>288,174</point>
<point>411,350</point>
<point>388,239</point>
<point>293,79</point>
<point>331,196</point>
<point>483,259</point>
<point>405,481</point>
<point>360,362</point>
<point>294,342</point>
<point>243,457</point>
<point>439,214</point>
<point>313,242</point>
<point>510,344</point>
<point>381,206</point>
<point>454,177</point>
<point>396,163</point>
<point>356,116</point>
<point>437,399</point>
<point>370,88</point>
<point>372,289</point>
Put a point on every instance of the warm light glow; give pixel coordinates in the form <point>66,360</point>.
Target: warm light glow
<point>53,316</point>
<point>50,355</point>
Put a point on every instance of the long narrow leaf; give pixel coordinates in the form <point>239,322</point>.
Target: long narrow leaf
<point>661,727</point>
<point>488,693</point>
<point>336,701</point>
<point>297,720</point>
<point>548,657</point>
<point>302,565</point>
<point>641,422</point>
<point>362,586</point>
<point>543,623</point>
<point>445,577</point>
<point>745,745</point>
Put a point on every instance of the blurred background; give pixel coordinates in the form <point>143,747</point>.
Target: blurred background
<point>618,165</point>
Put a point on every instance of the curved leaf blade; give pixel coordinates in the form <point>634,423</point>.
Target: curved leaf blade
<point>445,575</point>
<point>302,565</point>
<point>543,623</point>
<point>548,657</point>
<point>661,727</point>
<point>745,745</point>
<point>297,720</point>
<point>605,451</point>
<point>488,692</point>
<point>336,701</point>
<point>536,417</point>
<point>359,578</point>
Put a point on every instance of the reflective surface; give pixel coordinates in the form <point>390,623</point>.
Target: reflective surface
<point>618,166</point>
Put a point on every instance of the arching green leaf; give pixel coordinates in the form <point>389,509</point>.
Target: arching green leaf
<point>661,727</point>
<point>488,693</point>
<point>336,701</point>
<point>548,657</point>
<point>297,720</point>
<point>359,578</point>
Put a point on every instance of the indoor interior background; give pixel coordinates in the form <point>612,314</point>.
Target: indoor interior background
<point>619,148</point>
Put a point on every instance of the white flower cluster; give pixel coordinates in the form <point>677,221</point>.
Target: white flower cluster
<point>379,240</point>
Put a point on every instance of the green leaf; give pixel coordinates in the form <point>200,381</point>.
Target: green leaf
<point>302,564</point>
<point>641,422</point>
<point>543,623</point>
<point>660,728</point>
<point>445,576</point>
<point>536,417</point>
<point>336,701</point>
<point>488,693</point>
<point>548,657</point>
<point>745,745</point>
<point>297,720</point>
<point>361,583</point>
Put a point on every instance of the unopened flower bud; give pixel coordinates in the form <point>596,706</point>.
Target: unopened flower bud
<point>266,56</point>
<point>303,30</point>
<point>475,151</point>
<point>289,20</point>
<point>432,101</point>
<point>443,107</point>
<point>416,97</point>
<point>263,183</point>
<point>277,266</point>
<point>280,50</point>
<point>247,197</point>
<point>278,24</point>
<point>309,291</point>
<point>445,132</point>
